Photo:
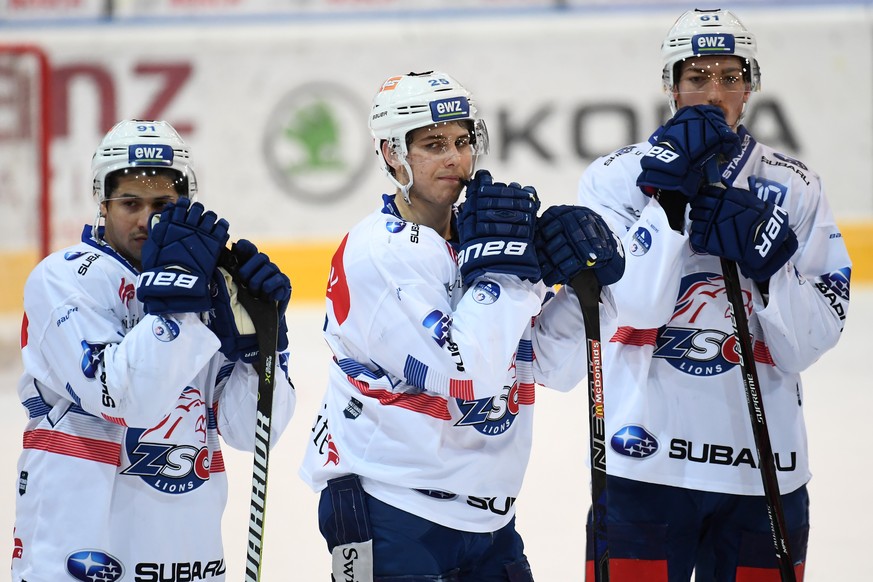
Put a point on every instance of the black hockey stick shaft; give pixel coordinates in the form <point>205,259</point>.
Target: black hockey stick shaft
<point>746,355</point>
<point>766,461</point>
<point>264,314</point>
<point>588,292</point>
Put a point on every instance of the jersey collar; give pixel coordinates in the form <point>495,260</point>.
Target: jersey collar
<point>98,242</point>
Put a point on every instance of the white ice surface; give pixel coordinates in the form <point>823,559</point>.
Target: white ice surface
<point>553,504</point>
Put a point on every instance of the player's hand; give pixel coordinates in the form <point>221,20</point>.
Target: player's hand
<point>178,258</point>
<point>737,225</point>
<point>229,320</point>
<point>496,228</point>
<point>686,143</point>
<point>570,239</point>
<point>261,276</point>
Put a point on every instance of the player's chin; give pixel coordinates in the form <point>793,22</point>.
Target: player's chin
<point>133,256</point>
<point>135,245</point>
<point>454,194</point>
<point>453,185</point>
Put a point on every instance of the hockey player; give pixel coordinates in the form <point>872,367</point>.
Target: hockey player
<point>684,486</point>
<point>126,389</point>
<point>424,433</point>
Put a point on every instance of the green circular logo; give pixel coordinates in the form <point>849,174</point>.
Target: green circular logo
<point>316,144</point>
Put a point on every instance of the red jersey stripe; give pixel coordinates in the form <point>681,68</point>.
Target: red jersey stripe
<point>73,446</point>
<point>422,403</point>
<point>635,337</point>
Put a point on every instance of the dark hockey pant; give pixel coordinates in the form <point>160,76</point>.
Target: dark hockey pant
<point>659,533</point>
<point>408,548</point>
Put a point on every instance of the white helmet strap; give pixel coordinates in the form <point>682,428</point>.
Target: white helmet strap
<point>404,188</point>
<point>398,148</point>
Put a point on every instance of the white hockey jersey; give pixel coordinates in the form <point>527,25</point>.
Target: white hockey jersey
<point>431,391</point>
<point>676,411</point>
<point>121,476</point>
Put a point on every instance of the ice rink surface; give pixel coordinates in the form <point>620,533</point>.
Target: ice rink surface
<point>554,501</point>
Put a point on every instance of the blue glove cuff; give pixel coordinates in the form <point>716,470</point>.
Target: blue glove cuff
<point>498,255</point>
<point>172,290</point>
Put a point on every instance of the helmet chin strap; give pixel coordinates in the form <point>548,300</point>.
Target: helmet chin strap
<point>740,117</point>
<point>401,156</point>
<point>95,231</point>
<point>404,188</point>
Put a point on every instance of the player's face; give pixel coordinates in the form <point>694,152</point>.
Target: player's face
<point>128,208</point>
<point>714,80</point>
<point>441,157</point>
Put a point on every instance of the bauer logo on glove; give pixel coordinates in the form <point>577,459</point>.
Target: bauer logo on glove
<point>491,249</point>
<point>770,232</point>
<point>167,278</point>
<point>662,153</point>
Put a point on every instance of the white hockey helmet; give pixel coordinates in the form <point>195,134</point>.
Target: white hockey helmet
<point>701,32</point>
<point>139,143</point>
<point>407,102</point>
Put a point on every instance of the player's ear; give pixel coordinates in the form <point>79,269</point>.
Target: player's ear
<point>388,152</point>
<point>390,155</point>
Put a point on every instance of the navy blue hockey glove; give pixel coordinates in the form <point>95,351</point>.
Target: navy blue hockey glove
<point>686,143</point>
<point>230,322</point>
<point>737,225</point>
<point>496,229</point>
<point>570,239</point>
<point>179,257</point>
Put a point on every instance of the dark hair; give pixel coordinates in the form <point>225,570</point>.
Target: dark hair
<point>180,180</point>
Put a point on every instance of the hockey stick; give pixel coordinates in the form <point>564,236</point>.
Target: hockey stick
<point>766,461</point>
<point>588,292</point>
<point>264,314</point>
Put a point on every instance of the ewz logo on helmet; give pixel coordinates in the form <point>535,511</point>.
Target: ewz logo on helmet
<point>151,154</point>
<point>453,108</point>
<point>714,43</point>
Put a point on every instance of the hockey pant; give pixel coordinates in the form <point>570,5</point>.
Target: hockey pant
<point>660,533</point>
<point>403,547</point>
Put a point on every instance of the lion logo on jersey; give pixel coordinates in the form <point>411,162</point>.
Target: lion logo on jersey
<point>172,457</point>
<point>491,416</point>
<point>692,342</point>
